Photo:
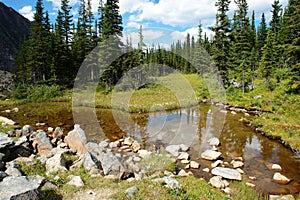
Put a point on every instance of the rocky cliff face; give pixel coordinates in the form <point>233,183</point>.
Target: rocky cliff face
<point>13,28</point>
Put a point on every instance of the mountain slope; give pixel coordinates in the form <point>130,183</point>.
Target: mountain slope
<point>13,28</point>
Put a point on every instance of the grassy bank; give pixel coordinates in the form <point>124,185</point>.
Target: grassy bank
<point>104,188</point>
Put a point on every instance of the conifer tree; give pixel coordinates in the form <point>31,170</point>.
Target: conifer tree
<point>221,41</point>
<point>261,35</point>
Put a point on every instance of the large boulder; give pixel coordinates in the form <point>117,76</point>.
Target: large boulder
<point>21,187</point>
<point>43,144</point>
<point>227,173</point>
<point>76,140</point>
<point>211,155</point>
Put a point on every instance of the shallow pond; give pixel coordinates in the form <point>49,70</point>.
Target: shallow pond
<point>192,126</point>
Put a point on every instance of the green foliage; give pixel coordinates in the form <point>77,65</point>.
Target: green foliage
<point>36,93</point>
<point>33,168</point>
<point>240,191</point>
<point>157,163</point>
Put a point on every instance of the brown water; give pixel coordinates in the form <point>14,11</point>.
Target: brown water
<point>192,126</point>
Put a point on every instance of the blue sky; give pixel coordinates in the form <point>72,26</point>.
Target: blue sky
<point>163,21</point>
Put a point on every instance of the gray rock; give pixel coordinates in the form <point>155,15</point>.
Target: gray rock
<point>2,175</point>
<point>237,164</point>
<point>44,145</point>
<point>75,181</point>
<point>216,164</point>
<point>173,149</point>
<point>88,161</point>
<point>21,187</point>
<point>94,148</point>
<point>211,155</point>
<point>56,163</point>
<point>130,192</point>
<point>76,140</point>
<point>281,197</point>
<point>214,141</point>
<point>12,171</point>
<point>227,173</point>
<point>5,140</point>
<point>194,165</point>
<point>21,140</point>
<point>103,144</point>
<point>143,153</point>
<point>169,182</point>
<point>111,164</point>
<point>27,129</point>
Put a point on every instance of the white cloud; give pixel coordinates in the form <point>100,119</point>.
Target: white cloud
<point>27,12</point>
<point>150,37</point>
<point>57,3</point>
<point>177,35</point>
<point>170,12</point>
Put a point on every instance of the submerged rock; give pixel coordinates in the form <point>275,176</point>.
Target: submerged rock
<point>214,142</point>
<point>227,173</point>
<point>281,197</point>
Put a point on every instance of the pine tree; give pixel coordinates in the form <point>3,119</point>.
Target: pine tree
<point>241,44</point>
<point>261,35</point>
<point>221,41</point>
<point>275,23</point>
<point>290,37</point>
<point>111,33</point>
<point>268,61</point>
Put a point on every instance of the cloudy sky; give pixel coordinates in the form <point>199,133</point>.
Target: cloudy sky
<point>163,20</point>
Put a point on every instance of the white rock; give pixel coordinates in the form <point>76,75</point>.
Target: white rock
<point>128,141</point>
<point>75,180</point>
<point>184,147</point>
<point>240,170</point>
<point>227,190</point>
<point>227,173</point>
<point>7,121</point>
<point>215,164</point>
<point>217,182</point>
<point>237,164</point>
<point>185,161</point>
<point>232,112</point>
<point>173,149</point>
<point>143,153</point>
<point>183,173</point>
<point>251,185</point>
<point>281,197</point>
<point>211,155</point>
<point>276,167</point>
<point>279,178</point>
<point>183,156</point>
<point>136,146</point>
<point>194,165</point>
<point>214,141</point>
<point>206,170</point>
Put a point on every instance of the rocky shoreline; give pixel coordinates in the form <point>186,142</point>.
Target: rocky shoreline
<point>123,159</point>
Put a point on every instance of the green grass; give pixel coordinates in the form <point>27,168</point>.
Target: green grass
<point>281,119</point>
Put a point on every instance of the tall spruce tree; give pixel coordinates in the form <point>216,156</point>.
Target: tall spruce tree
<point>262,32</point>
<point>290,37</point>
<point>221,41</point>
<point>111,37</point>
<point>275,23</point>
<point>241,44</point>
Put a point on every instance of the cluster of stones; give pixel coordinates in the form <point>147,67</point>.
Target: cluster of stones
<point>109,159</point>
